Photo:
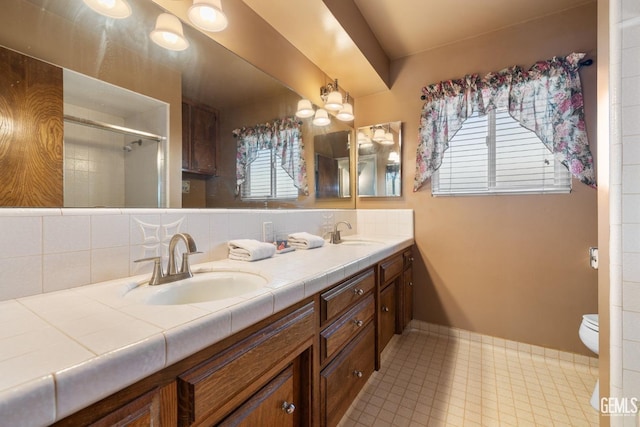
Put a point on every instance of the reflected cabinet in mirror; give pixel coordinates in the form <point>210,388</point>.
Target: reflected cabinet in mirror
<point>332,164</point>
<point>64,68</point>
<point>379,172</point>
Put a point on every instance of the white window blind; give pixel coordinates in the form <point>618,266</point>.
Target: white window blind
<point>494,154</point>
<point>267,180</point>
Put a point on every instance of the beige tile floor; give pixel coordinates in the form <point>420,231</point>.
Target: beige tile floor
<point>440,380</point>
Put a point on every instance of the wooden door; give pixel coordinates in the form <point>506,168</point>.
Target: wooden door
<point>31,132</point>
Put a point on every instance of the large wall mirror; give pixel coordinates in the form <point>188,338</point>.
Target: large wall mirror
<point>94,58</point>
<point>379,170</point>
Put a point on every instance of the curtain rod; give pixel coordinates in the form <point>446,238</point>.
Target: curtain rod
<point>585,63</point>
<point>114,128</point>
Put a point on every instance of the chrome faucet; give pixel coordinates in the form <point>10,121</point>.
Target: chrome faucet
<point>335,236</point>
<point>158,276</point>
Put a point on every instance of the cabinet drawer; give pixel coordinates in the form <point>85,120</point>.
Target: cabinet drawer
<point>334,337</point>
<point>273,405</point>
<point>338,299</point>
<point>219,384</point>
<point>343,378</point>
<point>391,268</point>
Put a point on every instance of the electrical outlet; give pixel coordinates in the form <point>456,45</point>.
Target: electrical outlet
<point>186,187</point>
<point>267,232</point>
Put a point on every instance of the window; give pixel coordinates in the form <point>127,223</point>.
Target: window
<point>493,154</point>
<point>267,180</point>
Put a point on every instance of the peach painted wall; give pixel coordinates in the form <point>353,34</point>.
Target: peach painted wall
<point>514,267</point>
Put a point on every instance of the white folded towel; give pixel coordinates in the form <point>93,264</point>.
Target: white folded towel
<point>304,240</point>
<point>250,250</point>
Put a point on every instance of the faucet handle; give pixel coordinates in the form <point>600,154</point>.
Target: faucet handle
<point>186,267</point>
<point>157,273</point>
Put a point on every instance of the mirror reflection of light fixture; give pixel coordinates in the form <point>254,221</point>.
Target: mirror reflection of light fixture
<point>117,9</point>
<point>393,157</point>
<point>346,112</point>
<point>321,117</point>
<point>331,96</point>
<point>208,15</point>
<point>168,33</point>
<point>364,141</point>
<point>378,135</point>
<point>305,109</point>
<point>388,139</point>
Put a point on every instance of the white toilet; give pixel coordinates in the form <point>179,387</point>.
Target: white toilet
<point>589,335</point>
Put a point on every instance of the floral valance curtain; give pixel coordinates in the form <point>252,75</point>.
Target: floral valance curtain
<point>546,99</point>
<point>283,135</point>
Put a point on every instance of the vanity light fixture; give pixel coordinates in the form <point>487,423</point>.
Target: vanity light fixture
<point>168,33</point>
<point>117,9</point>
<point>346,112</point>
<point>321,117</point>
<point>394,157</point>
<point>331,96</point>
<point>208,15</point>
<point>305,109</point>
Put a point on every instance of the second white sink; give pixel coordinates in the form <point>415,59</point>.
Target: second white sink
<point>202,287</point>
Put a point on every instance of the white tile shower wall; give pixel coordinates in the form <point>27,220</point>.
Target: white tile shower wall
<point>93,159</point>
<point>626,371</point>
<point>44,250</point>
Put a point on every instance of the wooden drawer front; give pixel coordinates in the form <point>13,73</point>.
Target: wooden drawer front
<point>338,299</point>
<point>334,337</point>
<point>391,268</point>
<point>271,406</point>
<point>387,315</point>
<point>343,378</point>
<point>221,383</point>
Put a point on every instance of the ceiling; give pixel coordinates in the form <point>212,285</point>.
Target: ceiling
<point>400,28</point>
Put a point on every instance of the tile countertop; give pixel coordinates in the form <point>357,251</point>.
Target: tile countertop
<point>62,351</point>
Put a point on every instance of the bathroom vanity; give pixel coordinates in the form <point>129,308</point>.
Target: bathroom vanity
<point>303,365</point>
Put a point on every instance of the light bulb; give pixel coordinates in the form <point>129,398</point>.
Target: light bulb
<point>321,117</point>
<point>168,33</point>
<point>117,9</point>
<point>208,15</point>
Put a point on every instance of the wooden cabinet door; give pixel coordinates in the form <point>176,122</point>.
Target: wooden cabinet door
<point>274,405</point>
<point>155,408</point>
<point>407,297</point>
<point>387,315</point>
<point>199,139</point>
<point>204,125</point>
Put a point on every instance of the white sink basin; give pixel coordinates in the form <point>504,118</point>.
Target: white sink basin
<point>202,287</point>
<point>360,242</point>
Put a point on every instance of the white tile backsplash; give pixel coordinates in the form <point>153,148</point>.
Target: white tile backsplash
<point>46,250</point>
<point>66,234</point>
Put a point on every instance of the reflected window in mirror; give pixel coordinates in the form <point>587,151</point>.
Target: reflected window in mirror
<point>378,160</point>
<point>270,161</point>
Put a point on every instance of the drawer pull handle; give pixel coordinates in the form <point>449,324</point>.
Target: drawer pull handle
<point>358,291</point>
<point>357,373</point>
<point>410,283</point>
<point>289,408</point>
<point>385,308</point>
<point>358,323</point>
